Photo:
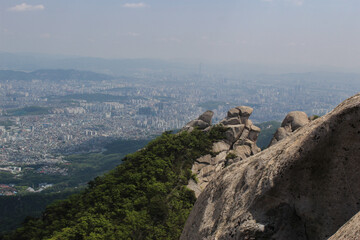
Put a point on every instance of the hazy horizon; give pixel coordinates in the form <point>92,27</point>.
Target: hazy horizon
<point>266,32</point>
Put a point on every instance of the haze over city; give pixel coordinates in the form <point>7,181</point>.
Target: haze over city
<point>321,33</point>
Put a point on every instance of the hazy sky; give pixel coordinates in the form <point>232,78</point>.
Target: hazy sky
<point>312,32</point>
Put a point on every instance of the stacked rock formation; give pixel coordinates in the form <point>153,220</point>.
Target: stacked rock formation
<point>202,122</point>
<point>239,143</point>
<point>304,187</point>
<point>292,122</point>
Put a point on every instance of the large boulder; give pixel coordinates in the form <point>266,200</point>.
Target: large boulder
<point>203,122</point>
<point>304,187</point>
<point>234,112</point>
<point>234,132</point>
<point>244,113</point>
<point>293,121</point>
<point>206,116</point>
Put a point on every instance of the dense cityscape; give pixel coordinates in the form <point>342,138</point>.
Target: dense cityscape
<point>43,120</point>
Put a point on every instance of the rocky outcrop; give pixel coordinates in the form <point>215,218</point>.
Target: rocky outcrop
<point>292,122</point>
<point>203,121</point>
<point>304,187</point>
<point>239,143</point>
<point>350,231</point>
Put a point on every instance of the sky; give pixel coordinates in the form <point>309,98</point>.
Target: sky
<point>296,32</point>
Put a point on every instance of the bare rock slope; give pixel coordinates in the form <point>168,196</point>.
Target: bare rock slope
<point>304,187</point>
<point>350,231</point>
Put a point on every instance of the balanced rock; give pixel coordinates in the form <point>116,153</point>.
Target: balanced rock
<point>304,187</point>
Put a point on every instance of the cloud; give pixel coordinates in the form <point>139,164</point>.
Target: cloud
<point>26,7</point>
<point>134,5</point>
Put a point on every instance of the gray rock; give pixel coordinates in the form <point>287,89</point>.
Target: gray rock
<point>231,121</point>
<point>220,146</point>
<point>198,123</point>
<point>220,157</point>
<point>295,120</point>
<point>245,111</point>
<point>243,151</point>
<point>234,132</point>
<point>234,112</point>
<point>292,122</point>
<point>254,133</point>
<point>206,116</point>
<point>195,187</point>
<point>349,231</point>
<point>204,159</point>
<point>280,134</point>
<point>304,187</point>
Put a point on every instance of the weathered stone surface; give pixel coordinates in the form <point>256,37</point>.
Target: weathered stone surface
<point>206,116</point>
<point>292,122</point>
<point>207,171</point>
<point>244,135</point>
<point>245,111</point>
<point>231,121</point>
<point>350,231</point>
<point>295,120</point>
<point>304,187</point>
<point>254,133</point>
<point>204,159</point>
<point>220,146</point>
<point>234,132</point>
<point>220,157</point>
<point>280,134</point>
<point>195,187</point>
<point>234,112</point>
<point>255,149</point>
<point>242,150</point>
<point>203,122</point>
<point>196,167</point>
<point>207,167</point>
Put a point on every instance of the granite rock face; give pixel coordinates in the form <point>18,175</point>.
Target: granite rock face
<point>292,122</point>
<point>203,122</point>
<point>239,143</point>
<point>350,230</point>
<point>304,187</point>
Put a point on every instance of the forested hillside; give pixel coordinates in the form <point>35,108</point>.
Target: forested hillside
<point>144,198</point>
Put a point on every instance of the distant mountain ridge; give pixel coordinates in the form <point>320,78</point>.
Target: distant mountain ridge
<point>53,75</point>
